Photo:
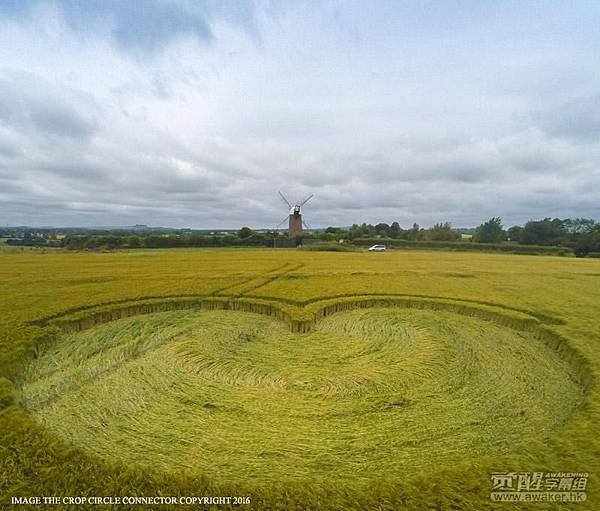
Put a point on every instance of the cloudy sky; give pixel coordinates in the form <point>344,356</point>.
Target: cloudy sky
<point>194,113</point>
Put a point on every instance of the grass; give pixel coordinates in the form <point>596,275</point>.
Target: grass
<point>410,403</point>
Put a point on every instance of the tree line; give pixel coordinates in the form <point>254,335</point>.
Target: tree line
<point>580,235</point>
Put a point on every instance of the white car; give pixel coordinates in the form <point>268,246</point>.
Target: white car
<point>377,248</point>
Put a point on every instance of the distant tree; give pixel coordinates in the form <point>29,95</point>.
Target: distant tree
<point>382,229</point>
<point>156,241</point>
<point>579,225</point>
<point>490,231</point>
<point>515,233</point>
<point>413,234</point>
<point>395,230</point>
<point>588,242</point>
<point>442,232</point>
<point>245,232</point>
<point>74,242</point>
<point>368,230</point>
<point>544,232</point>
<point>353,231</point>
<point>361,231</point>
<point>332,234</point>
<point>133,242</point>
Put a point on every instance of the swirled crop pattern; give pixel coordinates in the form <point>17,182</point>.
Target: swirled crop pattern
<point>369,393</point>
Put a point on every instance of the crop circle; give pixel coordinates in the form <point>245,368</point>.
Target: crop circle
<point>369,394</point>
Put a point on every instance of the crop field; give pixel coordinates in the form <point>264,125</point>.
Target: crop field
<point>302,380</point>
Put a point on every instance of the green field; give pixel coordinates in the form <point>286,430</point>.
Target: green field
<point>304,380</point>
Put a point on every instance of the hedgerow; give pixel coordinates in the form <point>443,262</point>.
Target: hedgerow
<point>465,246</point>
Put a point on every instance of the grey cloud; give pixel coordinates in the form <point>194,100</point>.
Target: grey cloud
<point>577,118</point>
<point>143,183</point>
<point>8,150</point>
<point>147,27</point>
<point>59,120</point>
<point>141,28</point>
<point>30,104</point>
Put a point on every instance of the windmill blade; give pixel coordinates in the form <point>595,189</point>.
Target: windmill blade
<point>306,199</point>
<point>282,222</point>
<point>306,225</point>
<point>284,199</point>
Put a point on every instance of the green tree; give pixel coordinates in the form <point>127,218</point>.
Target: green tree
<point>579,225</point>
<point>515,233</point>
<point>361,231</point>
<point>133,242</point>
<point>395,230</point>
<point>382,229</point>
<point>544,232</point>
<point>245,232</point>
<point>490,231</point>
<point>442,232</point>
<point>589,242</point>
<point>414,233</point>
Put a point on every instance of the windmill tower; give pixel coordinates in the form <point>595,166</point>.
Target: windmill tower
<point>296,223</point>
